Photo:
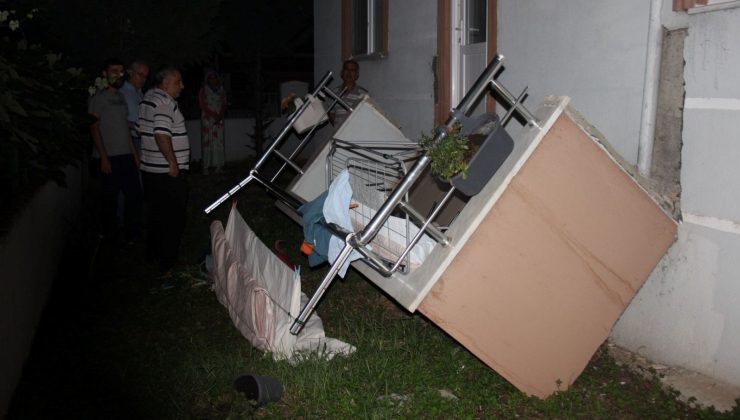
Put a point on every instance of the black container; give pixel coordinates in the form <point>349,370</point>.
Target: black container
<point>496,147</point>
<point>261,389</point>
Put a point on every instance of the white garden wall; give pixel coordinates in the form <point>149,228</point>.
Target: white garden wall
<point>29,257</point>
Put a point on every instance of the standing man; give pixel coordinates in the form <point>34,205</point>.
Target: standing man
<point>165,159</point>
<point>114,154</point>
<point>349,91</point>
<point>138,72</point>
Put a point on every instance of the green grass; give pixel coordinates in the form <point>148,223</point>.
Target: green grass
<point>125,343</point>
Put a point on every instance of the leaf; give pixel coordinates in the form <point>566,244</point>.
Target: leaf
<point>16,138</point>
<point>40,114</point>
<point>12,105</point>
<point>4,116</point>
<point>29,139</point>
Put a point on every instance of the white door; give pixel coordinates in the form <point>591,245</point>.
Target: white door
<point>468,56</point>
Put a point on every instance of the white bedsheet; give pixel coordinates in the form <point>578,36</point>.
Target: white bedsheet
<point>263,295</point>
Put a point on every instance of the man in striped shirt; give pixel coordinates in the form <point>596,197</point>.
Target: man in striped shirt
<point>165,159</point>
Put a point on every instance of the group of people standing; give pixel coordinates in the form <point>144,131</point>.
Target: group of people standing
<point>142,151</point>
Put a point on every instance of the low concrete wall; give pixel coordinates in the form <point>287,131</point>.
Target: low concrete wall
<point>29,257</point>
<point>239,144</point>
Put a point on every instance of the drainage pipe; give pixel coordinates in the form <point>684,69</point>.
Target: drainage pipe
<point>650,90</point>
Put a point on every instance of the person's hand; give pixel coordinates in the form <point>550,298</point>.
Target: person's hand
<point>105,166</point>
<point>137,162</point>
<point>174,170</point>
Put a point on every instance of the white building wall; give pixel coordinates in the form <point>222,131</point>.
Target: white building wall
<point>593,51</point>
<point>402,83</point>
<point>688,312</point>
<point>327,39</point>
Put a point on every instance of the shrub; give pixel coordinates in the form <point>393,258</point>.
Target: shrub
<point>42,111</point>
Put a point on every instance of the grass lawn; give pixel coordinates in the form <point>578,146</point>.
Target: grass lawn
<point>117,340</point>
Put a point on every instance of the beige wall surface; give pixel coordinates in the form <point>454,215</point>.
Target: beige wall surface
<point>538,286</point>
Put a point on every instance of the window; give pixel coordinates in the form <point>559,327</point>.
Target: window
<point>475,21</point>
<point>364,28</point>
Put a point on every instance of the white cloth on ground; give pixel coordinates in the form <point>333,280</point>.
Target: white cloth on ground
<point>263,295</point>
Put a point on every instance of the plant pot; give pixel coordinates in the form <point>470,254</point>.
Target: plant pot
<point>495,146</point>
<point>260,389</point>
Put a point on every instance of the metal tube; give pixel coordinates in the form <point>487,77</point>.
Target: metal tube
<point>372,228</point>
<point>510,112</point>
<point>231,192</point>
<point>290,123</point>
<point>338,99</point>
<point>433,230</point>
<point>498,87</point>
<point>289,162</point>
<point>421,230</point>
<point>273,145</point>
<point>374,261</point>
<point>305,140</point>
<point>480,84</point>
<point>295,152</point>
<point>300,321</point>
<point>281,195</point>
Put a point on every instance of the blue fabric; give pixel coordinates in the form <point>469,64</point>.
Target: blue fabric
<point>336,210</point>
<point>314,230</point>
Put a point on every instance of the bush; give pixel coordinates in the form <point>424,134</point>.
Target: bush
<point>42,111</point>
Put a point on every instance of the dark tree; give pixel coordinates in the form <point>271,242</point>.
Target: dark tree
<point>161,31</point>
<point>267,39</point>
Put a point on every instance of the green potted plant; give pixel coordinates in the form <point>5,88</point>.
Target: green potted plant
<point>471,152</point>
<point>449,155</point>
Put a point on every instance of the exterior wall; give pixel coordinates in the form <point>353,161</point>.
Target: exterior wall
<point>594,52</point>
<point>687,313</point>
<point>29,256</point>
<point>401,83</point>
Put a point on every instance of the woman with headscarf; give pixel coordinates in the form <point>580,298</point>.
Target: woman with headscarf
<point>212,101</point>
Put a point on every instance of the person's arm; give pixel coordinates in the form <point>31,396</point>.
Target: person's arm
<point>133,150</point>
<point>97,136</point>
<point>164,142</point>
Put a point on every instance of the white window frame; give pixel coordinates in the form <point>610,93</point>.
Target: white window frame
<point>374,26</point>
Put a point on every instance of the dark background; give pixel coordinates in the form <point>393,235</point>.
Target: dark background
<point>255,45</point>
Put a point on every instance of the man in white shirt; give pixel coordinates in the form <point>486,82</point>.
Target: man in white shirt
<point>165,159</point>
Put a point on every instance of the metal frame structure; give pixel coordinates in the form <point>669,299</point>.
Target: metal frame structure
<point>397,199</point>
<point>269,182</point>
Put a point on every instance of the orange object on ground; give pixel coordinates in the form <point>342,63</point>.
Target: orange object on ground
<point>307,248</point>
